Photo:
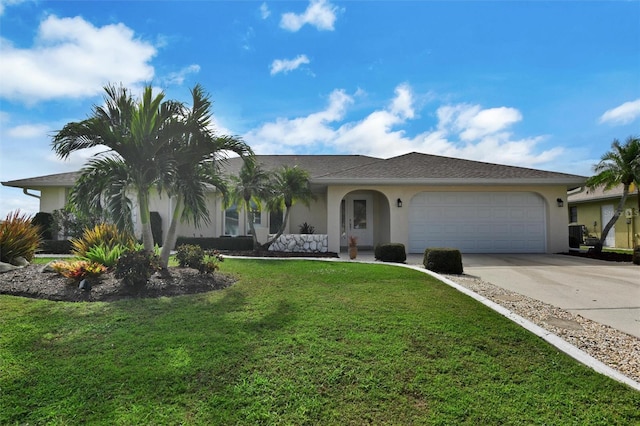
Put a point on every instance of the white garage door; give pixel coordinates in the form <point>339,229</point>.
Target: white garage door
<point>478,222</point>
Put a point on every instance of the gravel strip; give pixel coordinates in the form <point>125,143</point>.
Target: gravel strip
<point>612,347</point>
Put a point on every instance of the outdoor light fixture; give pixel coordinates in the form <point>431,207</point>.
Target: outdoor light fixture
<point>399,202</point>
<point>560,202</point>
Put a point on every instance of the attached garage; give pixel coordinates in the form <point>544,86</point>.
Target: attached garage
<point>478,222</point>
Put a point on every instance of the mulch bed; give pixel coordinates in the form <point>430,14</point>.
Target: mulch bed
<point>31,282</point>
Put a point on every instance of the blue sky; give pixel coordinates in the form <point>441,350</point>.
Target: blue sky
<point>538,84</point>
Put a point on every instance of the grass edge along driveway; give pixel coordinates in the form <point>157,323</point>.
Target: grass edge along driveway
<point>296,342</point>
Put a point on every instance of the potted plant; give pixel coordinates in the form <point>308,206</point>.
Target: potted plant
<point>353,247</point>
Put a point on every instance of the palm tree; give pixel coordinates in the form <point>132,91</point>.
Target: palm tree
<point>134,134</point>
<point>196,154</point>
<point>249,188</point>
<point>290,185</point>
<point>621,165</point>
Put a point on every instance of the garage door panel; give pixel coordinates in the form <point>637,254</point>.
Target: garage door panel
<point>478,222</point>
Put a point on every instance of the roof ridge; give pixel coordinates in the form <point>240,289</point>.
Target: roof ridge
<point>374,160</point>
<point>466,160</point>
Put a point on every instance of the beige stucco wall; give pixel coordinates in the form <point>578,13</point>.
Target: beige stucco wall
<point>557,238</point>
<point>324,213</point>
<point>52,199</point>
<point>315,215</point>
<point>591,212</point>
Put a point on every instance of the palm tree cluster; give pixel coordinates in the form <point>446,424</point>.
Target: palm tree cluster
<point>279,190</point>
<point>149,143</point>
<point>621,165</point>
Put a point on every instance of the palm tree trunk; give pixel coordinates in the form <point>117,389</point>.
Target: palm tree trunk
<point>252,229</point>
<point>266,245</point>
<point>612,221</point>
<point>145,220</point>
<point>170,240</point>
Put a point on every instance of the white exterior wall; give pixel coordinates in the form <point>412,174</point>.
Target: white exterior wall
<point>324,213</point>
<point>556,217</point>
<point>165,205</point>
<point>52,198</point>
<point>315,215</point>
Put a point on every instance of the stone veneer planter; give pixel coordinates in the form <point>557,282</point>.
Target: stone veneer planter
<point>301,243</point>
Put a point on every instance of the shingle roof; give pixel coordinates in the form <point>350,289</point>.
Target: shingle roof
<point>416,167</point>
<point>412,168</point>
<point>59,179</point>
<point>316,165</point>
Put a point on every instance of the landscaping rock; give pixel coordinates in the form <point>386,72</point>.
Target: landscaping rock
<point>20,261</point>
<point>6,267</point>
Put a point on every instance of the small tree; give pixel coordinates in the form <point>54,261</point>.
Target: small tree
<point>134,134</point>
<point>250,187</point>
<point>621,165</point>
<point>290,185</point>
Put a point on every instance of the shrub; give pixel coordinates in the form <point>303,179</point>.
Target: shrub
<point>189,256</point>
<point>105,234</point>
<point>443,260</point>
<point>636,256</point>
<point>211,262</point>
<point>68,223</point>
<point>192,256</point>
<point>79,269</point>
<point>107,256</point>
<point>18,237</point>
<point>391,252</point>
<point>135,267</point>
<point>305,228</point>
<point>45,221</point>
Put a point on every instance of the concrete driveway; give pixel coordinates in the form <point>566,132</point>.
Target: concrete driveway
<point>606,292</point>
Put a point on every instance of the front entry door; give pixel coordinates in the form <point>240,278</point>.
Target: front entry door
<point>357,219</point>
<point>607,212</point>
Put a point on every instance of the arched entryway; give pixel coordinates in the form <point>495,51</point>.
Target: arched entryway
<point>364,214</point>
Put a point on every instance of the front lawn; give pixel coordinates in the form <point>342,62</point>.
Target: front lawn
<point>293,342</point>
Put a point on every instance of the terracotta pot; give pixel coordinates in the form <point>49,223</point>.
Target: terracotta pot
<point>353,252</point>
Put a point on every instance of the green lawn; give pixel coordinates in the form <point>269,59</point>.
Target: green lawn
<point>293,342</point>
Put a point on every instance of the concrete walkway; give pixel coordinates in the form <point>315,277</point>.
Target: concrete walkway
<point>605,292</point>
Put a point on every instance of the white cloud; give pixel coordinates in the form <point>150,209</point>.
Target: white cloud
<point>462,130</point>
<point>13,199</point>
<point>286,65</point>
<point>402,104</point>
<point>301,132</point>
<point>320,13</point>
<point>5,3</point>
<point>71,58</point>
<point>473,122</point>
<point>179,76</point>
<point>623,114</point>
<point>264,11</point>
<point>28,131</point>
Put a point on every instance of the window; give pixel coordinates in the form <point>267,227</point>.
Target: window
<point>573,214</point>
<point>231,221</point>
<point>360,214</point>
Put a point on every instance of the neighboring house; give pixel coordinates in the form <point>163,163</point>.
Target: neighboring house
<point>415,199</point>
<point>593,208</point>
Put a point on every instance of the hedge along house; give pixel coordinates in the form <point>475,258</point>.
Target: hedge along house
<point>593,208</point>
<point>415,199</point>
